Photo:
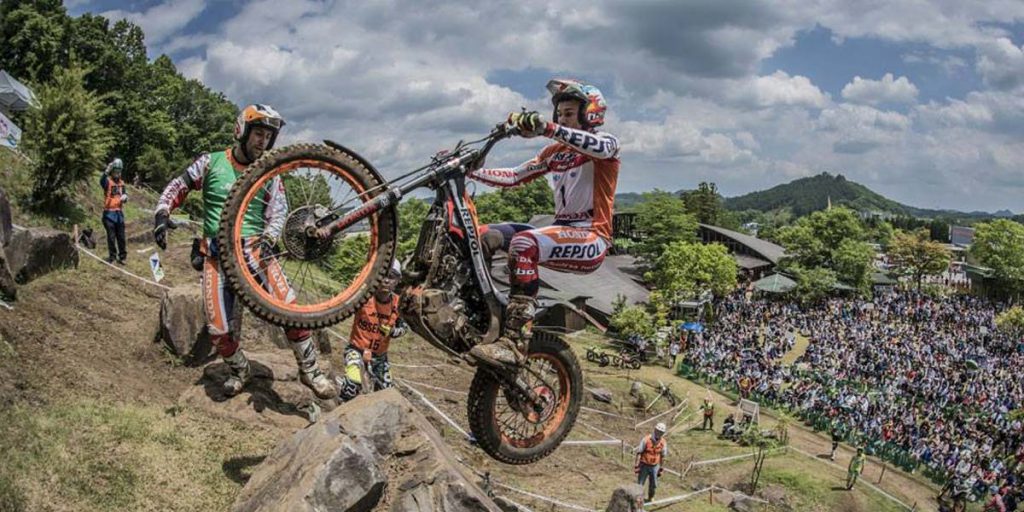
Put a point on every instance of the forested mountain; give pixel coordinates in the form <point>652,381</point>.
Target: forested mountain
<point>807,195</point>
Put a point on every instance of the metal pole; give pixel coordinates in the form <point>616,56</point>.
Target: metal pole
<point>881,475</point>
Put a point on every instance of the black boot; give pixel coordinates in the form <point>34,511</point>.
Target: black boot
<point>511,347</point>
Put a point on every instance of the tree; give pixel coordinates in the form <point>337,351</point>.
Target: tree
<point>516,204</point>
<point>703,203</point>
<point>633,320</point>
<point>685,269</point>
<point>663,219</point>
<point>813,284</point>
<point>66,136</point>
<point>1011,321</point>
<point>914,254</point>
<point>32,38</point>
<point>999,245</point>
<point>853,261</point>
<point>831,239</point>
<point>348,258</point>
<point>411,213</point>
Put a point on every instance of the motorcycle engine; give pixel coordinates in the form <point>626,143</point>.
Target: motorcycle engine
<point>448,303</point>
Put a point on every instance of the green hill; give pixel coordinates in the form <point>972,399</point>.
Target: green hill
<point>806,195</point>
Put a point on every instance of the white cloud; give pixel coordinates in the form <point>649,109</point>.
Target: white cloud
<point>780,89</point>
<point>399,80</point>
<point>1001,64</point>
<point>877,92</point>
<point>162,20</point>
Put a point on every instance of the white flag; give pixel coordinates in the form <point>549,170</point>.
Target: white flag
<point>154,265</point>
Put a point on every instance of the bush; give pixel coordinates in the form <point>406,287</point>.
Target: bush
<point>66,137</point>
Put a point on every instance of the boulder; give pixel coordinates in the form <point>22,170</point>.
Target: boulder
<point>8,289</point>
<point>183,323</point>
<point>601,395</point>
<point>743,504</point>
<point>37,251</point>
<point>346,460</point>
<point>6,225</point>
<point>627,498</point>
<point>183,327</point>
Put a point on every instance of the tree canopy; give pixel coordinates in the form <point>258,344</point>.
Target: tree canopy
<point>914,254</point>
<point>516,204</point>
<point>663,219</point>
<point>829,239</point>
<point>999,245</point>
<point>160,120</point>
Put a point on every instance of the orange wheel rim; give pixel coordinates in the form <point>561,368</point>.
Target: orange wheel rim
<point>556,417</point>
<point>238,243</point>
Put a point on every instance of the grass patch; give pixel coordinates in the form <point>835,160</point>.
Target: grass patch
<point>99,456</point>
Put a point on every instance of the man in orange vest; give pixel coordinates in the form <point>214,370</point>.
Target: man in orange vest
<point>650,454</point>
<point>374,326</point>
<point>114,197</point>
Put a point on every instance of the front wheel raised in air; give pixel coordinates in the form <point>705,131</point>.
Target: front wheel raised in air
<point>266,243</point>
<point>513,432</point>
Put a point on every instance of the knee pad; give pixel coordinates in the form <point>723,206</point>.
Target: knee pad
<point>295,335</point>
<point>226,344</point>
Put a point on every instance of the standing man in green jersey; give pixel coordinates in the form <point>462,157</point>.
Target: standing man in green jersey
<point>256,130</point>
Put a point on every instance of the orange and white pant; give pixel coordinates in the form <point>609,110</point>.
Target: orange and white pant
<point>223,314</point>
<point>563,248</point>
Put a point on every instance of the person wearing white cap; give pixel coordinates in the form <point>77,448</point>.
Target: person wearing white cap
<point>650,455</point>
<point>375,325</point>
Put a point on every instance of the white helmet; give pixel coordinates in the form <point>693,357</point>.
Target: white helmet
<point>116,165</point>
<point>660,427</point>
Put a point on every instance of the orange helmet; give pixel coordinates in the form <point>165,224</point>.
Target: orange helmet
<point>592,104</point>
<point>257,115</point>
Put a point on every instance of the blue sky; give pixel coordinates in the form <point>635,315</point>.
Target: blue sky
<point>920,100</point>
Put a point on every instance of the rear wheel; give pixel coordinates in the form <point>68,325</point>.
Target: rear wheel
<point>604,361</point>
<point>284,275</point>
<point>513,432</point>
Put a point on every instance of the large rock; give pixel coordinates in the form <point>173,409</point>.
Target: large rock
<point>743,504</point>
<point>601,395</point>
<point>6,226</point>
<point>183,324</point>
<point>183,327</point>
<point>346,460</point>
<point>37,251</point>
<point>628,498</point>
<point>8,289</point>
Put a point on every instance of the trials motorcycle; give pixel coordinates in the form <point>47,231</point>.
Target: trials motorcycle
<point>337,240</point>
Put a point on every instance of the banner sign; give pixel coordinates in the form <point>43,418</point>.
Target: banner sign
<point>10,134</point>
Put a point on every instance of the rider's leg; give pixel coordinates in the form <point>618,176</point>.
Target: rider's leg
<point>381,369</point>
<point>562,248</point>
<point>223,322</point>
<point>351,383</point>
<point>268,271</point>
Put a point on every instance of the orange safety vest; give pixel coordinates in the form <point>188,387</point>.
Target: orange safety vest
<point>651,455</point>
<point>367,332</point>
<point>112,200</point>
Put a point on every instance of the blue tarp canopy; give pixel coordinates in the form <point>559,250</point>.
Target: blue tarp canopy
<point>692,326</point>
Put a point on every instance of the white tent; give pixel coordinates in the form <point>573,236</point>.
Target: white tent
<point>14,95</point>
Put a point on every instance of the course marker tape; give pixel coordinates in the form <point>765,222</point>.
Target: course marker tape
<point>121,270</point>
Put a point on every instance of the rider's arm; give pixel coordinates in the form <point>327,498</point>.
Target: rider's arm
<point>599,145</point>
<point>276,211</point>
<point>526,172</point>
<point>192,179</point>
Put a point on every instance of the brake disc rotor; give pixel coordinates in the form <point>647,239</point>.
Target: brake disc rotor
<point>295,240</point>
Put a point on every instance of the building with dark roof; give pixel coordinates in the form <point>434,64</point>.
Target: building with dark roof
<point>754,256</point>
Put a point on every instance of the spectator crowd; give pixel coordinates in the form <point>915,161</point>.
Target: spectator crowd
<point>926,383</point>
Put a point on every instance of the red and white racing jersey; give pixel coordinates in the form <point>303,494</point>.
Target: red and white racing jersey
<point>584,169</point>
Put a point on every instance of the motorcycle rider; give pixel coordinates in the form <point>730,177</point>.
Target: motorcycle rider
<point>256,129</point>
<point>374,326</point>
<point>584,167</point>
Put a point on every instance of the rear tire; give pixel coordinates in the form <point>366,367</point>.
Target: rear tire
<point>483,409</point>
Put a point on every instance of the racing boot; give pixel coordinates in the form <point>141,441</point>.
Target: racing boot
<point>511,347</point>
<point>241,373</point>
<point>309,370</point>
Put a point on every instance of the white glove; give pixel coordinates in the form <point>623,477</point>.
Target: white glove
<point>398,331</point>
<point>124,198</point>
